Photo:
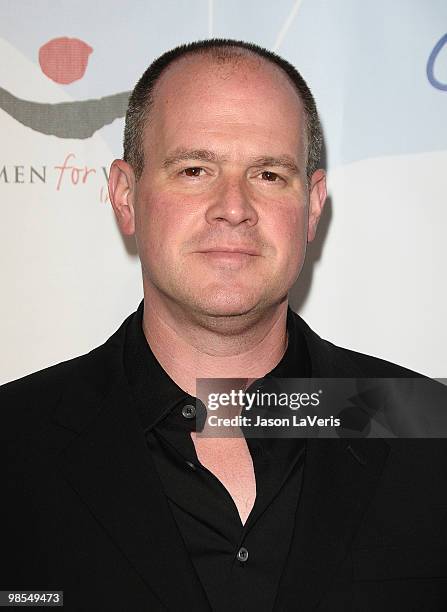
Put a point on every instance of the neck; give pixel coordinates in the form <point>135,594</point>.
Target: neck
<point>191,346</point>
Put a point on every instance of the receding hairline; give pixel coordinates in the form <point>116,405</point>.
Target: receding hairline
<point>232,56</point>
<point>226,55</point>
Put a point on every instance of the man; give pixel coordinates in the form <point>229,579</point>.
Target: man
<point>113,497</point>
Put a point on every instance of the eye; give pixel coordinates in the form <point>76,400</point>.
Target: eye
<point>272,177</point>
<point>192,172</point>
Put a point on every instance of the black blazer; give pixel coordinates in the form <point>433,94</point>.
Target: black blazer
<point>83,510</point>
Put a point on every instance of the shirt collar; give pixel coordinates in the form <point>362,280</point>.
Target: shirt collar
<point>156,394</point>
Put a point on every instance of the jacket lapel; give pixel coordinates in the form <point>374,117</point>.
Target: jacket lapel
<point>110,467</point>
<point>339,480</point>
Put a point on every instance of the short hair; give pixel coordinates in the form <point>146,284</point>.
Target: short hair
<point>221,49</point>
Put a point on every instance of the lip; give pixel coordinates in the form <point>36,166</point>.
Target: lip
<point>231,250</point>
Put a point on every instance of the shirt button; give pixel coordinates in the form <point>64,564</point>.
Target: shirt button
<point>242,555</point>
<point>189,411</point>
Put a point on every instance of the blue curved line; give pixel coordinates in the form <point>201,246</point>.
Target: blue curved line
<point>431,63</point>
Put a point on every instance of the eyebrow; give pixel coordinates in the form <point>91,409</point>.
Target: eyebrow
<point>284,161</point>
<point>179,155</point>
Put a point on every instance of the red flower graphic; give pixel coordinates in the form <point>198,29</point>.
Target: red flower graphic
<point>64,60</point>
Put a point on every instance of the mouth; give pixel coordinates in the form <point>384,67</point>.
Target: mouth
<point>228,251</point>
<point>230,258</point>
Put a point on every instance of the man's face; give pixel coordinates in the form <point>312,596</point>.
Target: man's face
<point>221,208</point>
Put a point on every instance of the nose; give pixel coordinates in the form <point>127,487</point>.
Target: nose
<point>232,205</point>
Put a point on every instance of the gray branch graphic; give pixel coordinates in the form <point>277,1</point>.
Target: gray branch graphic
<point>78,119</point>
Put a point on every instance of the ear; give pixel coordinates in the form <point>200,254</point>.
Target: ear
<point>122,193</point>
<point>317,198</point>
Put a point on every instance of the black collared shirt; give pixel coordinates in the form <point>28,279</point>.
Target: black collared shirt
<point>239,565</point>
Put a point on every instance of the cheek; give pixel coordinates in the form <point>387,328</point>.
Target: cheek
<point>152,222</point>
<point>290,229</point>
<point>161,226</point>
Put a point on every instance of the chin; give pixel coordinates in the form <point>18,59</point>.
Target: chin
<point>229,304</point>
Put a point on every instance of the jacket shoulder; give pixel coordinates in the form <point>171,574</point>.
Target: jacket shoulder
<point>333,360</point>
<point>28,402</point>
<point>371,367</point>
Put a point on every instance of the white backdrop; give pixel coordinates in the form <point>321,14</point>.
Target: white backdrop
<point>374,280</point>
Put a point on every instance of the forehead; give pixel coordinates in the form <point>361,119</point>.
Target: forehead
<point>244,71</point>
<point>200,92</point>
